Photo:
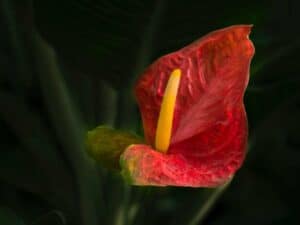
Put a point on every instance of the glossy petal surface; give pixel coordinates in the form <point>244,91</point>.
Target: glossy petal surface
<point>209,133</point>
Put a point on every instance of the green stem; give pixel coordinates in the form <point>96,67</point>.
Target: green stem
<point>17,45</point>
<point>105,103</point>
<point>19,25</point>
<point>207,206</point>
<point>68,127</point>
<point>127,113</point>
<point>122,216</point>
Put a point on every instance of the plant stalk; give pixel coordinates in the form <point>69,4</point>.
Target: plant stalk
<point>68,127</point>
<point>208,205</point>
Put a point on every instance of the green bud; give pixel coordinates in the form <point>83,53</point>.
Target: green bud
<point>105,145</point>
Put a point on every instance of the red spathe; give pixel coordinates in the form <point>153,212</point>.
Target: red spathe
<point>209,132</point>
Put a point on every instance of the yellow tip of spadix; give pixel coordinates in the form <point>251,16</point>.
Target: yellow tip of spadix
<point>165,119</point>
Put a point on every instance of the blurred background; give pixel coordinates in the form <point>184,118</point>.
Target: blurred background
<point>68,66</point>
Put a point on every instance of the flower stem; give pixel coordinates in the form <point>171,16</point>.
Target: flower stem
<point>122,215</point>
<point>68,127</point>
<point>208,204</point>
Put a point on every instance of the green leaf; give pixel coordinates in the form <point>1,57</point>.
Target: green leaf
<point>8,217</point>
<point>18,169</point>
<point>69,127</point>
<point>51,218</point>
<point>29,128</point>
<point>44,165</point>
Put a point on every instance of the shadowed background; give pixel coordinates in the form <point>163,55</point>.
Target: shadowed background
<point>68,66</point>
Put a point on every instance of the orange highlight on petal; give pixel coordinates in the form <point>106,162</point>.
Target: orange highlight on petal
<point>165,119</point>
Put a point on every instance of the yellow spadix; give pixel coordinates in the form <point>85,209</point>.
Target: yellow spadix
<point>165,119</point>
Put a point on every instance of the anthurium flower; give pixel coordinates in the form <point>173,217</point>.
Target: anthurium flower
<point>193,114</point>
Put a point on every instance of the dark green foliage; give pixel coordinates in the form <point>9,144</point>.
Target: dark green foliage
<point>67,66</point>
<point>8,217</point>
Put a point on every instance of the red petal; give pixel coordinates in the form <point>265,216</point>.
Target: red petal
<point>214,77</point>
<point>209,133</point>
<point>145,166</point>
